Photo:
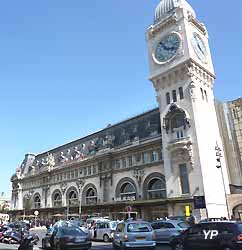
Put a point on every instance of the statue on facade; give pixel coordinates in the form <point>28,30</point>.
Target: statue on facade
<point>108,141</point>
<point>77,154</point>
<point>125,137</point>
<point>92,148</point>
<point>50,162</point>
<point>62,158</point>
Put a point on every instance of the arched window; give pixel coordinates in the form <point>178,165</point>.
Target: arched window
<point>174,97</point>
<point>73,198</point>
<point>127,191</point>
<point>57,200</point>
<point>91,197</point>
<point>156,189</point>
<point>168,98</point>
<point>181,94</point>
<point>37,202</point>
<point>202,93</point>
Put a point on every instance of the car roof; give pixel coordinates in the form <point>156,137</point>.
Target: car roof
<point>136,221</point>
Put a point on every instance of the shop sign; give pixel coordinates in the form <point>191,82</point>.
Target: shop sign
<point>130,198</point>
<point>199,202</point>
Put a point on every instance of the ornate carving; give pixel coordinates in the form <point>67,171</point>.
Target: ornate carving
<point>139,174</point>
<point>183,154</point>
<point>192,90</point>
<point>80,184</point>
<point>63,187</point>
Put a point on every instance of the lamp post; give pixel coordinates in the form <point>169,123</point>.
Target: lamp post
<point>219,166</point>
<point>80,184</point>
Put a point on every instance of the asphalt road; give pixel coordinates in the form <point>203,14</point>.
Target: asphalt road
<point>96,246</point>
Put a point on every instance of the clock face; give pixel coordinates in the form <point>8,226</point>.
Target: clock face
<point>167,48</point>
<point>199,46</point>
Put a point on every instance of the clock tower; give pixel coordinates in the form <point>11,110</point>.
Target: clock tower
<point>182,74</point>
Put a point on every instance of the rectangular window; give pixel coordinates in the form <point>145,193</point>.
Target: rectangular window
<point>130,160</point>
<point>154,156</point>
<point>89,170</point>
<point>179,134</point>
<point>68,175</point>
<point>138,159</point>
<point>117,164</point>
<point>94,169</point>
<point>123,162</point>
<point>72,174</point>
<point>168,98</point>
<point>76,173</point>
<point>184,179</point>
<point>145,157</point>
<point>174,97</point>
<point>181,94</point>
<point>85,171</point>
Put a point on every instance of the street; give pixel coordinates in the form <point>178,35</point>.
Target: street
<point>96,246</point>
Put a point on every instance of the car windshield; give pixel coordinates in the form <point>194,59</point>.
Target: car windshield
<point>183,225</point>
<point>138,227</point>
<point>73,231</point>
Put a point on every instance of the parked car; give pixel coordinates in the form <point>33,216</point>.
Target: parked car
<point>134,234</point>
<point>67,238</point>
<point>223,235</point>
<point>165,231</point>
<point>103,230</point>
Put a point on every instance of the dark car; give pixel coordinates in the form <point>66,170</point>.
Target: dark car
<point>223,235</point>
<point>67,238</point>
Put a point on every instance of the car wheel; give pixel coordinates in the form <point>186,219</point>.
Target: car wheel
<point>106,238</point>
<point>178,246</point>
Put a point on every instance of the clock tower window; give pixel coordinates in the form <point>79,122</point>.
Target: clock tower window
<point>174,97</point>
<point>202,93</point>
<point>206,96</point>
<point>181,94</point>
<point>168,98</point>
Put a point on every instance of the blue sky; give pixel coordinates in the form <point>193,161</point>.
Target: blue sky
<point>69,68</point>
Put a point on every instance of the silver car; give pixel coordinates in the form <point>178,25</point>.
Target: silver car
<point>134,234</point>
<point>104,230</point>
<point>165,231</point>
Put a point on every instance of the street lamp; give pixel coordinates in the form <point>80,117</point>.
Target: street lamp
<point>218,151</point>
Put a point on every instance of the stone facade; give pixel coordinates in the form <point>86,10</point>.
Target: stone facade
<point>103,173</point>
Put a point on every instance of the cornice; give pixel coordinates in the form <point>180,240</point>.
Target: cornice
<point>153,30</point>
<point>189,69</point>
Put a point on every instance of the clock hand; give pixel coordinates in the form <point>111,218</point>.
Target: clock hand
<point>200,48</point>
